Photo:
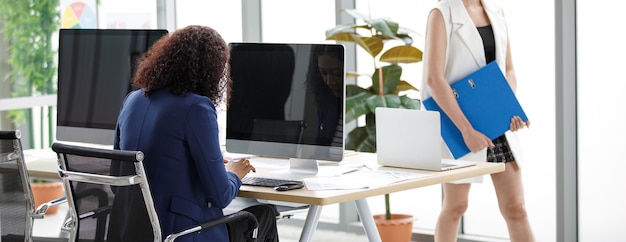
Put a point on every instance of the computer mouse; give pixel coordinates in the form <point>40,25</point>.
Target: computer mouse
<point>289,186</point>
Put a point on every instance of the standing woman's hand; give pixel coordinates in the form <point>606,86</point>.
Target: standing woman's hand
<point>517,124</point>
<point>475,140</point>
<point>241,167</point>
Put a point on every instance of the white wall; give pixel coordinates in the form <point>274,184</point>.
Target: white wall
<point>601,85</point>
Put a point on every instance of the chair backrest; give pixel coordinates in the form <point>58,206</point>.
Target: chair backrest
<point>16,199</point>
<point>104,184</point>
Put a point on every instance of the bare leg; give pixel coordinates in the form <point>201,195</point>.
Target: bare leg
<point>454,205</point>
<point>510,193</point>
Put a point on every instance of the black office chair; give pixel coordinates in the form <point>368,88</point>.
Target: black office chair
<point>17,211</point>
<point>95,190</point>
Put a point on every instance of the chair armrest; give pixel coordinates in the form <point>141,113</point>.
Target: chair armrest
<point>238,216</point>
<point>96,212</point>
<point>43,208</point>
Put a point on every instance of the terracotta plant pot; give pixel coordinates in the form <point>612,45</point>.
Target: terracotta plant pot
<point>46,192</point>
<point>398,229</point>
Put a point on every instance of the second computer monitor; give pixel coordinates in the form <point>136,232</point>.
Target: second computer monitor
<point>287,100</point>
<point>96,67</point>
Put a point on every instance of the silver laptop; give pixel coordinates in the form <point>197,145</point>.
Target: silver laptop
<point>409,138</point>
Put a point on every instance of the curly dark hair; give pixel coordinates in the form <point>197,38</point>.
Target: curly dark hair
<point>193,59</point>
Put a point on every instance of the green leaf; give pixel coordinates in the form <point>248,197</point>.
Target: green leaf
<point>402,54</point>
<point>407,39</point>
<point>388,100</point>
<point>343,28</point>
<point>373,45</point>
<point>410,103</point>
<point>352,90</point>
<point>362,139</point>
<point>356,102</point>
<point>405,86</point>
<point>391,78</point>
<point>384,26</point>
<point>342,37</point>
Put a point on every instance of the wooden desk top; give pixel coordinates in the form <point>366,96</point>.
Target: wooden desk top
<point>327,197</point>
<point>43,164</point>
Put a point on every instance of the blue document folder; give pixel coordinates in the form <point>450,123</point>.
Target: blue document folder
<point>487,101</point>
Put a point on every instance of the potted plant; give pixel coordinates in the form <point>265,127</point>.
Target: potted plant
<point>45,191</point>
<point>386,90</point>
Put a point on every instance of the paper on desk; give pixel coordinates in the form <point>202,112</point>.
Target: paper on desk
<point>361,179</point>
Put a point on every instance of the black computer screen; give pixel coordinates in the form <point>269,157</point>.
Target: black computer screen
<point>287,100</point>
<point>96,67</point>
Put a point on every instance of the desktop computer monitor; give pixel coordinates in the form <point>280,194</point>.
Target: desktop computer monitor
<point>287,101</point>
<point>96,67</point>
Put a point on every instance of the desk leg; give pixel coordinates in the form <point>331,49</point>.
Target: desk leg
<point>368,220</point>
<point>312,218</point>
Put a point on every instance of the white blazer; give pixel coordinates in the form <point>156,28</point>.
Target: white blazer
<point>465,54</point>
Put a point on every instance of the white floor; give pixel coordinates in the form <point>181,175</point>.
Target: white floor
<point>292,234</point>
<point>49,228</point>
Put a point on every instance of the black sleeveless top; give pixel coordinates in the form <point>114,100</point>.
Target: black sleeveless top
<point>489,43</point>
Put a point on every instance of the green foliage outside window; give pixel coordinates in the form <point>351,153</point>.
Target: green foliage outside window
<point>29,26</point>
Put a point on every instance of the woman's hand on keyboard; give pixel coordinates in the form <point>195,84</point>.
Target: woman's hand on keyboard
<point>240,167</point>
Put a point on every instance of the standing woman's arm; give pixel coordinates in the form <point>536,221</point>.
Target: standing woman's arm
<point>510,71</point>
<point>435,54</point>
<point>516,122</point>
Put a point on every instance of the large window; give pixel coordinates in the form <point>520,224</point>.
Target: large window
<point>223,16</point>
<point>120,14</point>
<point>285,21</point>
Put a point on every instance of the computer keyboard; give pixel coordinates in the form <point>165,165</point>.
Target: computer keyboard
<point>265,182</point>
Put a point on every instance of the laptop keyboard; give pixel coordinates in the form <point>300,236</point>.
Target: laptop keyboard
<point>265,182</point>
<point>445,165</point>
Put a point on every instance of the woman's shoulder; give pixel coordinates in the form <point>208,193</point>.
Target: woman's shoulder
<point>444,7</point>
<point>196,105</point>
<point>195,99</point>
<point>493,6</point>
<point>185,103</point>
<point>188,98</point>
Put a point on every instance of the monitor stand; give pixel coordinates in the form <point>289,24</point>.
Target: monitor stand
<point>304,167</point>
<point>298,169</point>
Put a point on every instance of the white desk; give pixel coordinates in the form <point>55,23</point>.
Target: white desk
<point>42,163</point>
<point>43,166</point>
<point>318,199</point>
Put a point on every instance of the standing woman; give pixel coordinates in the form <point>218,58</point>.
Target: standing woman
<point>173,120</point>
<point>461,37</point>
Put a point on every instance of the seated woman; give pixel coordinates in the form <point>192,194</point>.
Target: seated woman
<point>172,118</point>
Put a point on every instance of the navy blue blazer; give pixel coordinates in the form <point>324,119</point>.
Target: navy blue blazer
<point>183,161</point>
